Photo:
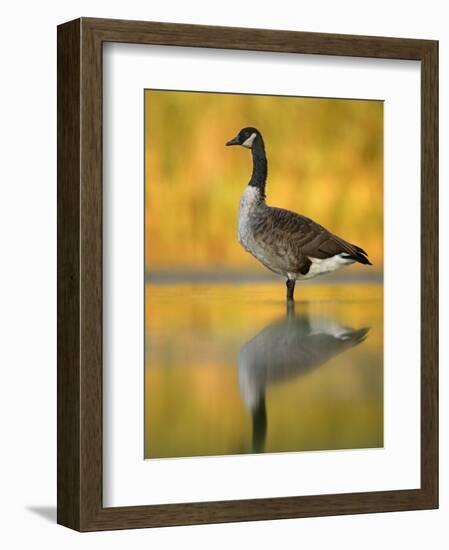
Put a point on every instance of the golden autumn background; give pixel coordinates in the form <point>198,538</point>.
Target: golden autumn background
<point>325,160</point>
<point>209,304</point>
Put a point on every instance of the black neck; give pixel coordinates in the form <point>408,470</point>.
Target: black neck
<point>259,426</point>
<point>260,170</point>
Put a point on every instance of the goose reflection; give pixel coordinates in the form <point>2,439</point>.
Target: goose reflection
<point>285,350</point>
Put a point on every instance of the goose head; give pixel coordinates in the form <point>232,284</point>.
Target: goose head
<point>246,137</point>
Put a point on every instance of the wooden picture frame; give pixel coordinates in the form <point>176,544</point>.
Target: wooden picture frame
<point>80,504</point>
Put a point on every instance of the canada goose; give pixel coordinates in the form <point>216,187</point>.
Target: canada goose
<point>285,242</point>
<point>284,350</point>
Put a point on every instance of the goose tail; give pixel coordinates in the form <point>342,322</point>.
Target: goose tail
<point>358,255</point>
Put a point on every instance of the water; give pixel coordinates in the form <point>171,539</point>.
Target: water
<point>230,370</point>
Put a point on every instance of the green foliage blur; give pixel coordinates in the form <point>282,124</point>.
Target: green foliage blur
<point>325,160</point>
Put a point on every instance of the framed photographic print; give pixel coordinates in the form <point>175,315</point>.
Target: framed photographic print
<point>247,274</point>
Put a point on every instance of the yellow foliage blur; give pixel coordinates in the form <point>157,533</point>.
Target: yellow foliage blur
<point>325,160</point>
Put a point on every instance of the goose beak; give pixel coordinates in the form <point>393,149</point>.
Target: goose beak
<point>233,141</point>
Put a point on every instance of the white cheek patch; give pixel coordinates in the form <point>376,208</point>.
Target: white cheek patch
<point>249,141</point>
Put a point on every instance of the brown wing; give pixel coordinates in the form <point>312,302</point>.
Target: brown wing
<point>304,238</point>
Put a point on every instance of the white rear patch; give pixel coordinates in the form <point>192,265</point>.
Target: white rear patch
<point>249,141</point>
<point>326,265</point>
<point>323,325</point>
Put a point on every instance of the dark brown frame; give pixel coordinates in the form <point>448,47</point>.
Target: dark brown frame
<point>80,274</point>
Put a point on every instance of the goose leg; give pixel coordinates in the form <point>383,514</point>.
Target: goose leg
<point>290,289</point>
<point>290,309</point>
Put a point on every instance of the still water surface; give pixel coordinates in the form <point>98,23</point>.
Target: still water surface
<point>230,370</point>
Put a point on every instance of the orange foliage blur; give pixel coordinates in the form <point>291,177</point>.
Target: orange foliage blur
<point>325,160</point>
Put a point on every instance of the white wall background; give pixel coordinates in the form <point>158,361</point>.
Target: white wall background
<point>28,272</point>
